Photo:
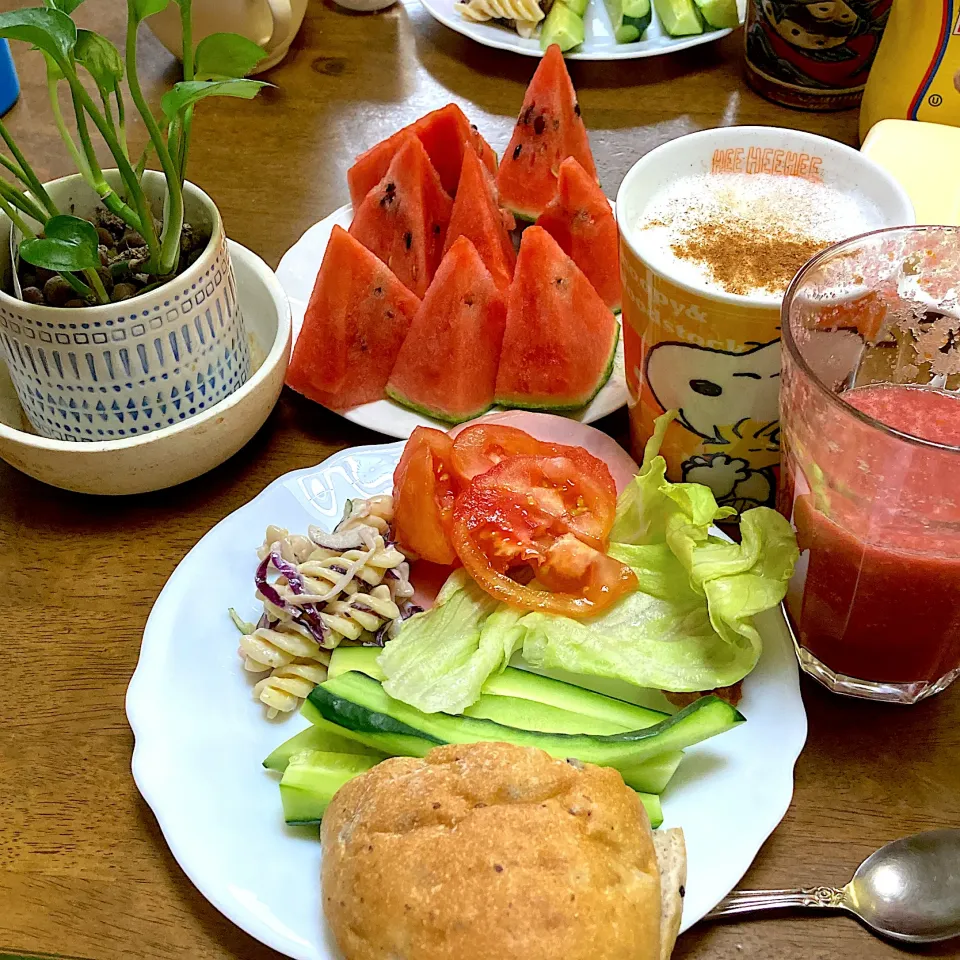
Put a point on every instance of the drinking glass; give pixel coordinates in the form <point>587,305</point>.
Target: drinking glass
<point>874,604</point>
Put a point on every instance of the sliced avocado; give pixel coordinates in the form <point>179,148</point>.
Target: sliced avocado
<point>562,27</point>
<point>629,18</point>
<point>720,14</point>
<point>360,705</point>
<point>312,778</point>
<point>679,17</point>
<point>313,738</point>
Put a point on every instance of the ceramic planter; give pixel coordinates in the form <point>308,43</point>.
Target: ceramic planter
<point>124,369</point>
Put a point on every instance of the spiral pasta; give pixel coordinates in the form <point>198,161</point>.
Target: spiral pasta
<point>521,11</point>
<point>283,690</point>
<point>318,590</point>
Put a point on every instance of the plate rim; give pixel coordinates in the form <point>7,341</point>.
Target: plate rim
<point>510,45</point>
<point>363,416</point>
<point>144,734</point>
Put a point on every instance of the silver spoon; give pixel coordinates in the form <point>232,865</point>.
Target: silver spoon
<point>908,890</point>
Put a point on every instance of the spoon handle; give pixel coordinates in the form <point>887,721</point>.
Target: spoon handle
<point>750,901</point>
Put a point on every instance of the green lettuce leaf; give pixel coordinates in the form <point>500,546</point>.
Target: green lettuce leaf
<point>651,504</point>
<point>690,626</point>
<point>442,657</point>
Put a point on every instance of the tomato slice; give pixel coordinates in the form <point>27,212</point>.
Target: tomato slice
<point>549,515</point>
<point>424,492</point>
<point>479,448</point>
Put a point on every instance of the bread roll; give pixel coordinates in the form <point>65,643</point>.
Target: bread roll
<point>490,851</point>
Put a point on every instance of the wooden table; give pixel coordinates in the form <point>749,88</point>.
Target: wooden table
<point>84,869</point>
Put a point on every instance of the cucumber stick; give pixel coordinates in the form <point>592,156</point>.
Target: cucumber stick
<point>522,685</point>
<point>629,19</point>
<point>312,778</point>
<point>359,705</point>
<point>518,698</point>
<point>315,738</point>
<point>719,14</point>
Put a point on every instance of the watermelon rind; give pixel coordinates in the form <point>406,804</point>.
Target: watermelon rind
<point>442,415</point>
<point>516,403</point>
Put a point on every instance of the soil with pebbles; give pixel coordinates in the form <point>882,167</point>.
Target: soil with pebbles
<point>123,257</point>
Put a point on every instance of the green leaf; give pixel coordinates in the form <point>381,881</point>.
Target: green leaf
<point>223,56</point>
<point>51,31</point>
<point>65,6</point>
<point>441,658</point>
<point>147,8</point>
<point>70,244</point>
<point>188,92</point>
<point>102,60</point>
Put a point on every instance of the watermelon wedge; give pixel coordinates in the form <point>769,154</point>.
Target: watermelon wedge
<point>403,219</point>
<point>445,133</point>
<point>549,129</point>
<point>447,367</point>
<point>355,324</point>
<point>477,216</point>
<point>579,218</point>
<point>561,339</point>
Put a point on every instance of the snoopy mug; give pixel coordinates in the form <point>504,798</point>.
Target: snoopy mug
<point>712,356</point>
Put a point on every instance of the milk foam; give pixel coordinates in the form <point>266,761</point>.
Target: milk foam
<point>774,203</point>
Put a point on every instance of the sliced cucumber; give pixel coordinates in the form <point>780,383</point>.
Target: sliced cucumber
<point>359,704</point>
<point>562,27</point>
<point>680,18</point>
<point>719,14</point>
<point>568,696</point>
<point>530,715</point>
<point>315,738</point>
<point>651,803</point>
<point>579,7</point>
<point>521,685</point>
<point>312,778</point>
<point>629,18</point>
<point>392,742</point>
<point>653,775</point>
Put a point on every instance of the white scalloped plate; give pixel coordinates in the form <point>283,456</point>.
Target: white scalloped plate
<point>200,737</point>
<point>297,273</point>
<point>599,43</point>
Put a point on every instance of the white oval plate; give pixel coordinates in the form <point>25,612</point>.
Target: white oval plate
<point>297,273</point>
<point>200,737</point>
<point>599,43</point>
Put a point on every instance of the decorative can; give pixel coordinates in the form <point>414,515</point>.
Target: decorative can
<point>813,55</point>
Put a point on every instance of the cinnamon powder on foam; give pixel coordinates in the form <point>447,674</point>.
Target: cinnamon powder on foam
<point>751,233</point>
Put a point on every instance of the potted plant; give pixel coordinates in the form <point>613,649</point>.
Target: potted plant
<point>118,309</point>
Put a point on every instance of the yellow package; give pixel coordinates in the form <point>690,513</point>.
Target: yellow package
<point>916,74</point>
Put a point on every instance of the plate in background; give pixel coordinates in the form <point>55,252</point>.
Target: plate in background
<point>598,45</point>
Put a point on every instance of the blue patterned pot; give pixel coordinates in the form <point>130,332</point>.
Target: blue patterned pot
<point>124,369</point>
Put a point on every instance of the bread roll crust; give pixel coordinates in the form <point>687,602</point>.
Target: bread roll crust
<point>490,851</point>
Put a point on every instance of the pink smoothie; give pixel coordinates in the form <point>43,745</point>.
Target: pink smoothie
<point>881,598</point>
